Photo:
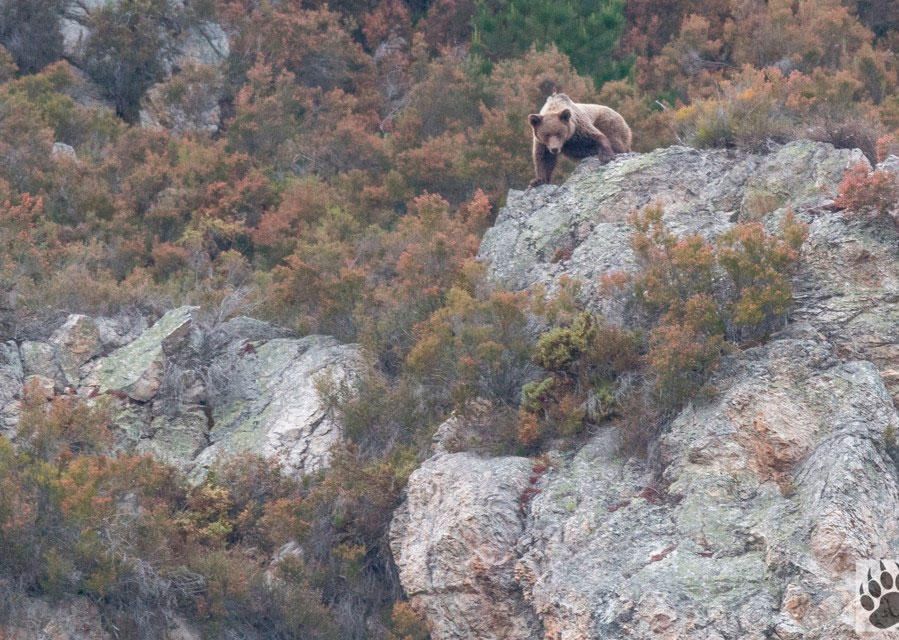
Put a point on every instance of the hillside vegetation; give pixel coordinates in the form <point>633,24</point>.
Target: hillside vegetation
<point>331,168</point>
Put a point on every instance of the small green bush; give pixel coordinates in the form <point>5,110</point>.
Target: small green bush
<point>585,358</point>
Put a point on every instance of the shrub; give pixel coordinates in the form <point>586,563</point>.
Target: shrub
<point>267,34</point>
<point>560,348</point>
<point>130,534</point>
<point>377,413</point>
<point>475,347</point>
<point>759,266</point>
<point>408,624</point>
<point>863,190</point>
<point>585,359</point>
<point>676,287</point>
<point>758,107</point>
<point>188,101</point>
<point>29,30</point>
<point>344,519</point>
<point>61,427</point>
<point>749,111</point>
<point>335,122</point>
<point>684,349</point>
<point>672,270</point>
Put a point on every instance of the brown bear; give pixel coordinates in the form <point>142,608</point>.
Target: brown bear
<point>578,131</point>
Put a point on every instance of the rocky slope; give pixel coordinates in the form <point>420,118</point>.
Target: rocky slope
<point>746,523</point>
<point>750,519</point>
<point>187,393</point>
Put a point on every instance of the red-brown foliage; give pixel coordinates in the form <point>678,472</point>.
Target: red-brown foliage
<point>865,191</point>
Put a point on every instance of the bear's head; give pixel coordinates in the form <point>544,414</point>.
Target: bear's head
<point>553,129</point>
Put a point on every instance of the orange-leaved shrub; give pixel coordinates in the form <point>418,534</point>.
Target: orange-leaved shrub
<point>476,347</point>
<point>866,191</point>
<point>693,315</point>
<point>759,266</point>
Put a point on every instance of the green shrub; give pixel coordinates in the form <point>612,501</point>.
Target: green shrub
<point>585,359</point>
<point>759,266</point>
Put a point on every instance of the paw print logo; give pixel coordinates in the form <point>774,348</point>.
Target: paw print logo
<point>879,597</point>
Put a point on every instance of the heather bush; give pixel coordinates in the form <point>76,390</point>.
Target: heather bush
<point>759,267</point>
<point>865,191</point>
<point>476,347</point>
<point>694,316</point>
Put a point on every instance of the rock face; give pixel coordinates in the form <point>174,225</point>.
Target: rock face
<point>749,520</point>
<point>74,619</point>
<point>769,495</point>
<point>274,406</point>
<point>78,619</point>
<point>12,377</point>
<point>454,539</point>
<point>136,369</point>
<point>848,287</point>
<point>201,43</point>
<point>189,394</point>
<point>580,229</point>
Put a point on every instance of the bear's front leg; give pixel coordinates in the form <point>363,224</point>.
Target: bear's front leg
<point>544,164</point>
<point>604,147</point>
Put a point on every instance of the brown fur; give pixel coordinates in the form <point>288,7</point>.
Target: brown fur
<point>577,131</point>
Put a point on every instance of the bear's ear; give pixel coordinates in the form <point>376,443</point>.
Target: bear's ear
<point>535,119</point>
<point>565,115</point>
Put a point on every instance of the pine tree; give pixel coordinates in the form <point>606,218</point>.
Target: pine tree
<point>587,31</point>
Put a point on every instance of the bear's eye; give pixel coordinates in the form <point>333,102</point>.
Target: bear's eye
<point>565,116</point>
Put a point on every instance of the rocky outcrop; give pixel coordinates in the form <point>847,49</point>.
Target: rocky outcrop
<point>12,378</point>
<point>186,99</point>
<point>580,229</point>
<point>201,43</point>
<point>74,619</point>
<point>769,495</point>
<point>190,394</point>
<point>76,342</point>
<point>749,519</point>
<point>273,403</point>
<point>78,619</point>
<point>453,539</point>
<point>848,287</point>
<point>137,368</point>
